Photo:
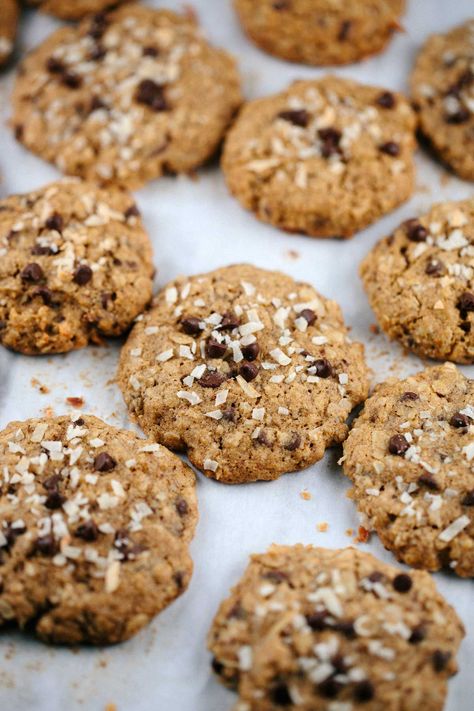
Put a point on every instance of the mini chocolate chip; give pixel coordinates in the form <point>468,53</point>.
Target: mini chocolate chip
<point>415,231</point>
<point>131,211</point>
<point>402,583</point>
<point>98,25</point>
<point>440,659</point>
<point>376,577</point>
<point>298,117</point>
<point>229,321</point>
<point>251,351</point>
<point>434,267</point>
<point>104,462</point>
<point>330,138</point>
<point>408,395</point>
<point>364,691</point>
<point>460,116</point>
<point>418,634</point>
<point>97,53</point>
<point>276,576</point>
<point>150,51</point>
<point>262,438</point>
<point>308,315</point>
<point>55,222</point>
<point>12,533</point>
<point>280,695</point>
<point>32,273</point>
<point>88,531</point>
<point>52,482</point>
<point>468,500</point>
<point>214,349</point>
<point>44,293</point>
<point>466,301</point>
<point>398,445</point>
<point>428,481</point>
<point>151,94</point>
<point>460,420</point>
<point>344,30</point>
<point>54,500</point>
<point>248,371</point>
<point>329,688</point>
<point>281,5</point>
<point>390,148</point>
<point>182,507</point>
<point>106,297</point>
<point>72,81</point>
<point>40,250</point>
<point>323,368</point>
<point>217,666</point>
<point>229,415</point>
<point>317,621</point>
<point>82,275</point>
<point>386,100</point>
<point>191,325</point>
<point>79,422</point>
<point>212,379</point>
<point>346,627</point>
<point>46,545</point>
<point>293,443</point>
<point>55,66</point>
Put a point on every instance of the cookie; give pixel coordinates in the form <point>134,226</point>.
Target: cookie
<point>442,87</point>
<point>75,265</point>
<point>320,32</point>
<point>94,530</point>
<point>125,97</point>
<point>334,630</point>
<point>326,157</point>
<point>409,456</point>
<point>420,282</point>
<point>8,25</point>
<point>249,372</point>
<point>74,9</point>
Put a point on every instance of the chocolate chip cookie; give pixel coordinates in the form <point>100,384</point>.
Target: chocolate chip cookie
<point>442,87</point>
<point>8,25</point>
<point>320,31</point>
<point>410,455</point>
<point>420,282</point>
<point>249,372</point>
<point>74,9</point>
<point>326,157</point>
<point>125,97</point>
<point>75,265</point>
<point>334,630</point>
<point>94,530</point>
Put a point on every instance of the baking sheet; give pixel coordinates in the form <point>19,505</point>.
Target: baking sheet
<point>196,226</point>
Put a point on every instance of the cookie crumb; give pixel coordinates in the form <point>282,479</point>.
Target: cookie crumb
<point>322,527</point>
<point>293,254</point>
<point>43,389</point>
<point>373,328</point>
<point>305,495</point>
<point>75,401</point>
<point>363,535</point>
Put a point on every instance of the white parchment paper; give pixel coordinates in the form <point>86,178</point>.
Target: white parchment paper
<point>196,226</point>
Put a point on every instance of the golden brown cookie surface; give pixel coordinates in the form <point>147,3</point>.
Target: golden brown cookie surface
<point>95,526</point>
<point>325,157</point>
<point>249,372</point>
<point>76,265</point>
<point>320,32</point>
<point>334,630</point>
<point>409,455</point>
<point>125,97</point>
<point>74,9</point>
<point>8,25</point>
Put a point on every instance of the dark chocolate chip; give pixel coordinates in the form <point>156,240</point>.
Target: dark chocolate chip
<point>364,691</point>
<point>398,445</point>
<point>346,627</point>
<point>211,379</point>
<point>229,415</point>
<point>281,5</point>
<point>308,315</point>
<point>151,94</point>
<point>330,138</point>
<point>317,621</point>
<point>460,116</point>
<point>415,231</point>
<point>229,321</point>
<point>191,325</point>
<point>344,30</point>
<point>104,462</point>
<point>251,351</point>
<point>402,583</point>
<point>428,481</point>
<point>182,507</point>
<point>45,294</point>
<point>52,482</point>
<point>329,688</point>
<point>131,211</point>
<point>97,54</point>
<point>298,117</point>
<point>248,371</point>
<point>46,545</point>
<point>214,349</point>
<point>54,500</point>
<point>41,250</point>
<point>72,81</point>
<point>293,442</point>
<point>32,273</point>
<point>460,420</point>
<point>88,531</point>
<point>55,222</point>
<point>55,66</point>
<point>434,267</point>
<point>280,695</point>
<point>408,395</point>
<point>98,25</point>
<point>440,659</point>
<point>150,51</point>
<point>276,576</point>
<point>82,275</point>
<point>468,499</point>
<point>323,368</point>
<point>386,100</point>
<point>390,148</point>
<point>217,666</point>
<point>418,634</point>
<point>466,301</point>
<point>376,577</point>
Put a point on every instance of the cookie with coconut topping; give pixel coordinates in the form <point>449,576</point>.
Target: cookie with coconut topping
<point>125,97</point>
<point>320,32</point>
<point>76,265</point>
<point>334,630</point>
<point>442,87</point>
<point>94,530</point>
<point>420,282</point>
<point>74,9</point>
<point>326,157</point>
<point>410,457</point>
<point>249,372</point>
<point>8,25</point>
